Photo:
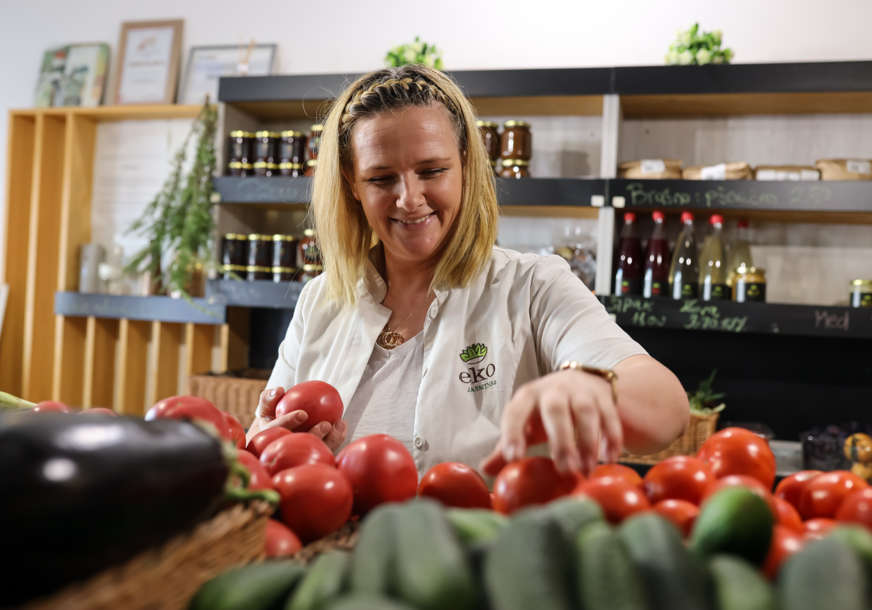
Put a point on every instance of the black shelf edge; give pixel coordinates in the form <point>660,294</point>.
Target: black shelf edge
<point>150,308</point>
<point>262,189</point>
<point>813,196</point>
<point>257,293</point>
<point>741,318</point>
<point>833,76</point>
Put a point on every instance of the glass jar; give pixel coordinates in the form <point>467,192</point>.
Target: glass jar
<point>283,274</point>
<point>284,250</point>
<point>861,293</point>
<point>264,168</point>
<point>315,140</point>
<point>266,146</point>
<point>292,147</point>
<point>256,272</point>
<point>238,168</point>
<point>749,284</point>
<point>311,164</point>
<point>310,272</point>
<point>239,145</point>
<point>310,253</point>
<point>294,170</point>
<point>490,136</point>
<point>516,141</point>
<point>514,168</point>
<point>233,272</point>
<point>260,250</point>
<point>234,249</point>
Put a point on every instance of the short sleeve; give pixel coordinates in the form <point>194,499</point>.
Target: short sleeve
<point>570,323</point>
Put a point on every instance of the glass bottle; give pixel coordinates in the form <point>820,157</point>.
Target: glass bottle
<point>628,277</point>
<point>655,280</point>
<point>683,273</point>
<point>713,263</point>
<point>740,252</point>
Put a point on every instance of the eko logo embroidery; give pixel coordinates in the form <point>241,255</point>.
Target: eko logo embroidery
<point>478,378</point>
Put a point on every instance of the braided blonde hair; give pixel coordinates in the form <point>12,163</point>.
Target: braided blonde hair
<point>344,234</point>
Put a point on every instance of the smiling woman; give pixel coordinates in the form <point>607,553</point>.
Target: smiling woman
<point>430,332</point>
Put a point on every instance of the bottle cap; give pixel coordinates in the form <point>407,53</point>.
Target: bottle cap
<point>743,224</point>
<point>716,219</point>
<point>629,217</point>
<point>657,215</point>
<point>686,217</point>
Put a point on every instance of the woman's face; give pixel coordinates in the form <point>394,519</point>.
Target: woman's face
<point>408,177</point>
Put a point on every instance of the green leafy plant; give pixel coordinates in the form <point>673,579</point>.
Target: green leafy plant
<point>417,52</point>
<point>476,351</point>
<point>178,222</point>
<point>705,401</point>
<point>695,47</point>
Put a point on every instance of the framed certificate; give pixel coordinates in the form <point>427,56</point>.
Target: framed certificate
<point>207,64</point>
<point>148,62</point>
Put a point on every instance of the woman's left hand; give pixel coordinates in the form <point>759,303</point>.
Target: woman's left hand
<point>332,435</point>
<point>577,410</point>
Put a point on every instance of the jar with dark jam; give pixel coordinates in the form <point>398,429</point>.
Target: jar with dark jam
<point>238,168</point>
<point>861,293</point>
<point>234,249</point>
<point>239,145</point>
<point>263,168</point>
<point>292,147</point>
<point>491,139</point>
<point>514,168</point>
<point>310,272</point>
<point>266,146</point>
<point>260,251</point>
<point>516,141</point>
<point>294,170</point>
<point>310,253</point>
<point>284,251</point>
<point>749,284</point>
<point>311,164</point>
<point>284,274</point>
<point>315,140</point>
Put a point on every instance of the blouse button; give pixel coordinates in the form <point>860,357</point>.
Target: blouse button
<point>419,442</point>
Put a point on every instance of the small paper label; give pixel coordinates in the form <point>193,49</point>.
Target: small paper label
<point>782,175</point>
<point>809,174</point>
<point>618,201</point>
<point>859,167</point>
<point>653,166</point>
<point>714,172</point>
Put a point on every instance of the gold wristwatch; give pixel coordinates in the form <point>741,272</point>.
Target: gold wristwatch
<point>607,374</point>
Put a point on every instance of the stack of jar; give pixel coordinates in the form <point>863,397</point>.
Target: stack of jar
<point>509,151</point>
<point>273,153</point>
<point>279,257</point>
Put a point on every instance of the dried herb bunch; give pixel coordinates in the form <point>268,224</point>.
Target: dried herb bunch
<point>705,401</point>
<point>178,222</point>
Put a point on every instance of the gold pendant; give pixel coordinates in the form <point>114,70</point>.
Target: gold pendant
<point>389,339</point>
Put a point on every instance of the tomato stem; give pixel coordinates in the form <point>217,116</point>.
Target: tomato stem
<point>8,401</point>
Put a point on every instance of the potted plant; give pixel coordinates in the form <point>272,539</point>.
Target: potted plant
<point>178,222</point>
<point>705,406</point>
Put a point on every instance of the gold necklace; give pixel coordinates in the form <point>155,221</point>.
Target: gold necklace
<point>389,338</point>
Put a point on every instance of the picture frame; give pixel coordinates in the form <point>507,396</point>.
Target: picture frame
<point>73,75</point>
<point>148,62</point>
<point>206,64</point>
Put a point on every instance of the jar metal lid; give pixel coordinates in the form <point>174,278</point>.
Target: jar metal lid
<point>257,268</point>
<point>263,133</point>
<point>232,267</point>
<point>312,162</point>
<point>256,236</point>
<point>486,124</point>
<point>281,237</point>
<point>241,133</point>
<point>515,162</point>
<point>284,270</point>
<point>317,127</point>
<point>309,232</point>
<point>289,165</point>
<point>313,268</point>
<point>861,283</point>
<point>235,165</point>
<point>235,236</point>
<point>291,133</point>
<point>262,164</point>
<point>516,123</point>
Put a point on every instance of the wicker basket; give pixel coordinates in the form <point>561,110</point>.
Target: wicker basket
<point>698,430</point>
<point>236,392</point>
<point>165,578</point>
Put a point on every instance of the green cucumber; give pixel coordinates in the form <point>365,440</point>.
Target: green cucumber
<point>673,580</point>
<point>325,580</point>
<point>859,539</point>
<point>734,521</point>
<point>372,561</point>
<point>432,571</point>
<point>737,585</point>
<point>571,514</point>
<point>256,586</point>
<point>366,602</point>
<point>607,577</point>
<point>825,574</point>
<point>475,526</point>
<point>530,567</point>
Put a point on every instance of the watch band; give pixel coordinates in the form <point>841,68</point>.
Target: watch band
<point>607,374</point>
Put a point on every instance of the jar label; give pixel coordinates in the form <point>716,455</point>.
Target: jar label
<point>750,291</point>
<point>714,172</point>
<point>859,167</point>
<point>653,166</point>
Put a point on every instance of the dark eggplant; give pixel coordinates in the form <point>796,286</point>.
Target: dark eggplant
<point>83,493</point>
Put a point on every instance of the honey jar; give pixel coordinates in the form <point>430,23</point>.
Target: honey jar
<point>861,293</point>
<point>491,139</point>
<point>292,147</point>
<point>514,168</point>
<point>749,284</point>
<point>516,141</point>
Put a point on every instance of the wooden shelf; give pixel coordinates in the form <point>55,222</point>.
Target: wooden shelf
<point>116,113</point>
<point>257,293</point>
<point>152,308</point>
<point>741,318</point>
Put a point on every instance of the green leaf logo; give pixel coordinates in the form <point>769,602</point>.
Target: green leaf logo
<point>474,353</point>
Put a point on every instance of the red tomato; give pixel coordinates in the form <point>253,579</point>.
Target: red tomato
<point>280,541</point>
<point>739,451</point>
<point>190,407</point>
<point>315,500</point>
<point>534,429</point>
<point>785,542</point>
<point>237,432</point>
<point>51,406</point>
<point>380,470</point>
<point>790,488</point>
<point>786,515</point>
<point>616,497</point>
<point>617,471</point>
<point>263,438</point>
<point>317,398</point>
<point>740,480</point>
<point>818,528</point>
<point>455,484</point>
<point>98,411</point>
<point>681,477</point>
<point>295,449</point>
<point>530,480</point>
<point>680,512</point>
<point>857,508</point>
<point>824,494</point>
<point>260,478</point>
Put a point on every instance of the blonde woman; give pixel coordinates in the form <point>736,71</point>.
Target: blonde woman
<point>430,332</point>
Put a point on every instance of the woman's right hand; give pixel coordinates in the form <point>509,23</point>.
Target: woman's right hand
<point>265,414</point>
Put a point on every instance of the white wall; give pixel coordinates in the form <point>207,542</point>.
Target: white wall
<point>352,36</point>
